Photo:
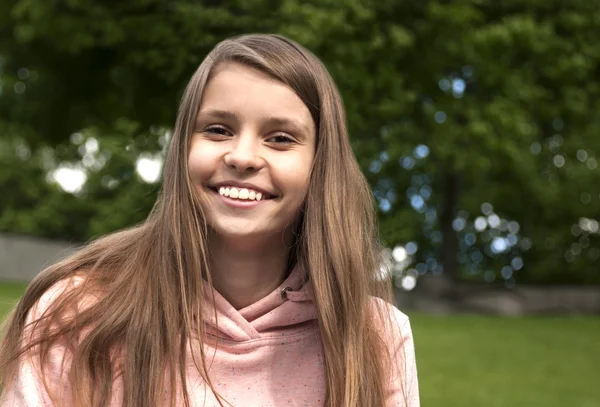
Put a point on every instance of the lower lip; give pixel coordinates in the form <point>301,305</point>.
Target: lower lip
<point>237,203</point>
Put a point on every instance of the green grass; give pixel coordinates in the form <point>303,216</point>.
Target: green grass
<point>479,361</point>
<point>470,361</point>
<point>9,295</point>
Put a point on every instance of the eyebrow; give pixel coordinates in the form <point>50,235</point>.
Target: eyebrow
<point>219,114</point>
<point>296,125</point>
<point>227,115</point>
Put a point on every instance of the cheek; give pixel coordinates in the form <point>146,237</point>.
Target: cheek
<point>201,162</point>
<point>295,175</point>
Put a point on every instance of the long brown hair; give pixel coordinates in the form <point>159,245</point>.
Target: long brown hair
<point>147,278</point>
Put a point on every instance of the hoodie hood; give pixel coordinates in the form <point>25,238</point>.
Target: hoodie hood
<point>288,307</point>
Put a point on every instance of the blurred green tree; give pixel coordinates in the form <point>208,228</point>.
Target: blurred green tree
<point>475,121</point>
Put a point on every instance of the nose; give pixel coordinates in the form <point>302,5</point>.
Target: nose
<point>243,155</point>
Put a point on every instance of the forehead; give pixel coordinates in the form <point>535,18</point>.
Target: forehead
<point>252,94</point>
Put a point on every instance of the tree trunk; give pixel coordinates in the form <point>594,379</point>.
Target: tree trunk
<point>449,249</point>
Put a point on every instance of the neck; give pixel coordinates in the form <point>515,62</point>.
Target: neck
<point>244,274</point>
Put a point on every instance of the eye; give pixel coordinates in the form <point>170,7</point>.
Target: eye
<point>281,138</point>
<point>217,130</point>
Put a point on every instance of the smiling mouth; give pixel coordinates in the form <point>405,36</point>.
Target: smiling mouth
<point>241,194</point>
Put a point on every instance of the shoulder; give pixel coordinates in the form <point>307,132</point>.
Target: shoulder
<point>393,327</point>
<point>387,314</point>
<point>34,369</point>
<point>53,294</point>
<point>60,302</point>
<point>395,331</point>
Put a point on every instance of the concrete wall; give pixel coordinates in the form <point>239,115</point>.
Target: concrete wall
<point>22,257</point>
<point>439,296</point>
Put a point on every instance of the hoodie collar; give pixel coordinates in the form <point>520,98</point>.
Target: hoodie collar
<point>288,305</point>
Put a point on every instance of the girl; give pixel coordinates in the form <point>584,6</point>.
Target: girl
<point>253,282</point>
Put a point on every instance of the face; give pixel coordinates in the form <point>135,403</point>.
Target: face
<point>251,155</point>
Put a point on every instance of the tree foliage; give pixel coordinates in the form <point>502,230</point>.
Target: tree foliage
<point>462,114</point>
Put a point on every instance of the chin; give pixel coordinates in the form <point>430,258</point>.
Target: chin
<point>237,232</point>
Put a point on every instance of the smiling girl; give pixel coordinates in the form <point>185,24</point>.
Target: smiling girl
<point>253,282</point>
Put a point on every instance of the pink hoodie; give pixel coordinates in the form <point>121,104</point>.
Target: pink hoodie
<point>268,354</point>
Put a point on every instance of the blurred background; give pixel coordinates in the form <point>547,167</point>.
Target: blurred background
<point>477,123</point>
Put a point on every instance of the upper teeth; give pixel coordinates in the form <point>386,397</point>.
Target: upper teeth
<point>240,193</point>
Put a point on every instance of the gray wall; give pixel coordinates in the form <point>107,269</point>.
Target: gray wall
<point>436,295</point>
<point>22,257</point>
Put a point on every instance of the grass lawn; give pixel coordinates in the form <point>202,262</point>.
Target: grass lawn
<point>9,295</point>
<point>479,361</point>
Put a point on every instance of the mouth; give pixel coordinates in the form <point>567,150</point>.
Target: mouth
<point>238,194</point>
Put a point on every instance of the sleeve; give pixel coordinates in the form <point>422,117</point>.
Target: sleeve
<point>26,388</point>
<point>404,389</point>
<point>411,382</point>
